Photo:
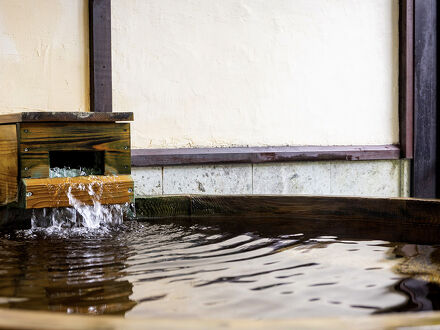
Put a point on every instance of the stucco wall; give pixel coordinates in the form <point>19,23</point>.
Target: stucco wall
<point>255,72</point>
<point>44,53</point>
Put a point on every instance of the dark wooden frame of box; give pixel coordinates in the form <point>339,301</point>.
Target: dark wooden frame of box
<point>27,138</point>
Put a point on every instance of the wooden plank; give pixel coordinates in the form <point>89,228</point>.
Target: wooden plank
<point>38,139</point>
<point>424,179</point>
<point>163,207</point>
<point>399,211</point>
<point>30,117</point>
<point>396,211</point>
<point>39,193</point>
<point>8,164</point>
<point>33,320</point>
<point>159,157</point>
<point>406,77</point>
<point>100,55</point>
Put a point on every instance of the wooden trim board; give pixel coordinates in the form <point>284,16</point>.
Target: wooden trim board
<point>39,193</point>
<point>406,77</point>
<point>30,117</point>
<point>162,157</point>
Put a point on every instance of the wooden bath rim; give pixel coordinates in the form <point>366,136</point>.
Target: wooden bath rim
<point>392,210</point>
<point>20,319</point>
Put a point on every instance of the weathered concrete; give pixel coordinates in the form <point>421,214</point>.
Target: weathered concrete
<point>311,178</point>
<point>379,178</point>
<point>208,179</point>
<point>385,178</point>
<point>147,180</point>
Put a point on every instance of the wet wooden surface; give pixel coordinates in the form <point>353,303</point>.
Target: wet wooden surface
<point>30,117</point>
<point>39,193</point>
<point>15,319</point>
<point>38,139</point>
<point>8,164</point>
<point>397,211</point>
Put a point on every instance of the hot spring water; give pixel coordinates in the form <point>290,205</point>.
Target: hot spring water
<point>85,259</point>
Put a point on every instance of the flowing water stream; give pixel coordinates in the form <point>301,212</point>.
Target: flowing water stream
<point>79,215</point>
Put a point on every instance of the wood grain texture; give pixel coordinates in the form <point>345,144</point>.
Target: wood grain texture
<point>406,77</point>
<point>395,211</point>
<point>33,320</point>
<point>8,164</point>
<point>161,157</point>
<point>37,139</point>
<point>399,211</point>
<point>425,181</point>
<point>100,55</point>
<point>39,193</point>
<point>163,207</point>
<point>30,117</point>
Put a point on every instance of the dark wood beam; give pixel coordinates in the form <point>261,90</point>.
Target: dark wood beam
<point>31,117</point>
<point>160,157</point>
<point>100,55</point>
<point>424,176</point>
<point>406,77</point>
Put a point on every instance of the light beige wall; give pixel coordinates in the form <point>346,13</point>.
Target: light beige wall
<point>257,72</point>
<point>44,55</point>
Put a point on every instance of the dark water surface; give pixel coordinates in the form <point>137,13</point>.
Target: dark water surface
<point>210,271</point>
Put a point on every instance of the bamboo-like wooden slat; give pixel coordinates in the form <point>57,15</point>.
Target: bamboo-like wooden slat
<point>8,164</point>
<point>39,193</point>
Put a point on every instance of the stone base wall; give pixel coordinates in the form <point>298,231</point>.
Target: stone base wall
<point>380,178</point>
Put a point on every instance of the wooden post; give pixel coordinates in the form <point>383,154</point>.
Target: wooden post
<point>424,176</point>
<point>100,55</point>
<point>406,77</point>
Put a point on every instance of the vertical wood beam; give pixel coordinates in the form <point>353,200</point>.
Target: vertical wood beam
<point>100,55</point>
<point>424,178</point>
<point>406,77</point>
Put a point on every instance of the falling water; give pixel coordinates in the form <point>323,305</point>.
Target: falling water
<point>80,215</point>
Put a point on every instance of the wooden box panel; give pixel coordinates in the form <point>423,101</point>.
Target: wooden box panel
<point>36,140</point>
<point>8,164</point>
<point>39,193</point>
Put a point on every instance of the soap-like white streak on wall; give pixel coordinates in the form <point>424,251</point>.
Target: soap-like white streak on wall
<point>44,52</point>
<point>212,73</point>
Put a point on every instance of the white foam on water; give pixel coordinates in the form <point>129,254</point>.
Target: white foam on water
<point>80,215</point>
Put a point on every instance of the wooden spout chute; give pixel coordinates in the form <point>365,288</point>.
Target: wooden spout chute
<point>53,192</point>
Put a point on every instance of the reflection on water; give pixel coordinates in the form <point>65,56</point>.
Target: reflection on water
<point>217,271</point>
<point>74,274</point>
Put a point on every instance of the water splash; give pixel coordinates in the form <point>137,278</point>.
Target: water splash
<point>65,172</point>
<point>80,215</point>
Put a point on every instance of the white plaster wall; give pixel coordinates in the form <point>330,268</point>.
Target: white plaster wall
<point>210,73</point>
<point>44,55</point>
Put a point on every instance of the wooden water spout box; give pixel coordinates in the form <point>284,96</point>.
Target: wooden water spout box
<point>31,143</point>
